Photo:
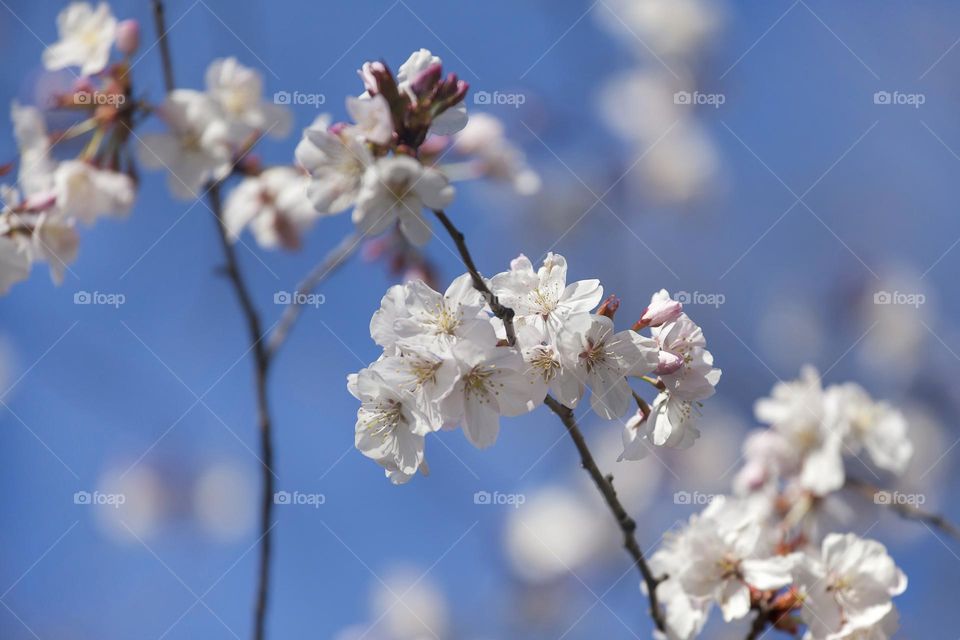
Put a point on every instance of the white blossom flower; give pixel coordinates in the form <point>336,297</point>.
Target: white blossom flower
<point>86,192</point>
<point>601,358</point>
<point>542,298</point>
<point>238,91</point>
<point>543,360</point>
<point>275,206</point>
<point>696,378</point>
<point>796,410</point>
<point>337,161</point>
<point>491,384</point>
<point>424,369</point>
<point>848,587</point>
<point>195,150</point>
<point>55,241</point>
<point>484,139</point>
<point>450,121</point>
<point>390,426</point>
<point>373,119</point>
<point>86,35</point>
<point>398,188</point>
<point>866,424</point>
<point>457,314</point>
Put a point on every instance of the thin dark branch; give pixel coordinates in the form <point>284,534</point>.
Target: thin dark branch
<point>161,25</point>
<point>904,510</point>
<point>626,523</point>
<point>334,259</point>
<point>758,625</point>
<point>264,425</point>
<point>502,312</point>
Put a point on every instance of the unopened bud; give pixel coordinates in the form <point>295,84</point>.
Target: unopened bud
<point>128,37</point>
<point>609,307</point>
<point>661,311</point>
<point>668,363</point>
<point>368,76</point>
<point>426,80</point>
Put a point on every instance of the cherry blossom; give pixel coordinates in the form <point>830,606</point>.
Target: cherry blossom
<point>86,36</point>
<point>336,160</point>
<point>273,204</point>
<point>237,90</point>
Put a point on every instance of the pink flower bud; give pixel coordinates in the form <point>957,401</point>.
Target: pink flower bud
<point>427,79</point>
<point>609,307</point>
<point>661,310</point>
<point>128,37</point>
<point>369,78</point>
<point>668,363</point>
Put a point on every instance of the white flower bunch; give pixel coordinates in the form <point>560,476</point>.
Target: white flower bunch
<point>447,361</point>
<point>39,213</point>
<point>763,550</point>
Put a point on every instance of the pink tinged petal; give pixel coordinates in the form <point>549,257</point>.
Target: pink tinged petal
<point>668,363</point>
<point>661,310</point>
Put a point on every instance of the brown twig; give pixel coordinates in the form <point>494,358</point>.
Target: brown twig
<point>334,259</point>
<point>502,312</point>
<point>261,373</point>
<point>627,525</point>
<point>165,59</point>
<point>905,510</point>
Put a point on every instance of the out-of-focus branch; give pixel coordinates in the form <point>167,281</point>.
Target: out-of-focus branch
<point>159,21</point>
<point>627,525</point>
<point>502,312</point>
<point>264,424</point>
<point>905,510</point>
<point>334,259</point>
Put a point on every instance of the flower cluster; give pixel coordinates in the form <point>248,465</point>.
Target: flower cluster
<point>39,213</point>
<point>447,361</point>
<point>763,549</point>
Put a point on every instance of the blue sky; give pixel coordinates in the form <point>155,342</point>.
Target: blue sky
<point>161,382</point>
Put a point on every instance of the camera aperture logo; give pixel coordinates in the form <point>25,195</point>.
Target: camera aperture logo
<point>85,99</point>
<point>714,100</point>
<point>299,298</point>
<point>298,498</point>
<point>299,98</point>
<point>699,297</point>
<point>499,98</point>
<point>99,298</point>
<point>694,498</point>
<point>898,498</point>
<point>97,498</point>
<point>899,298</point>
<point>898,98</point>
<point>515,500</point>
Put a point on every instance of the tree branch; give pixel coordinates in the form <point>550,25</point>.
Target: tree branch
<point>161,26</point>
<point>264,424</point>
<point>905,510</point>
<point>627,525</point>
<point>502,312</point>
<point>334,259</point>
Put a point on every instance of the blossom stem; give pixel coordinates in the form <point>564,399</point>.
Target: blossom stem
<point>502,312</point>
<point>334,259</point>
<point>164,45</point>
<point>905,510</point>
<point>264,422</point>
<point>627,525</point>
